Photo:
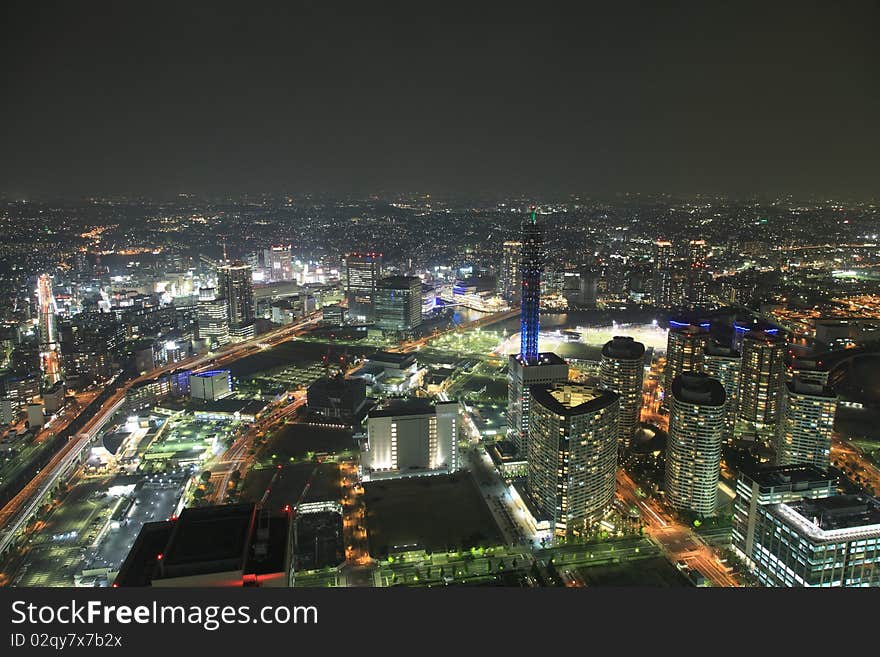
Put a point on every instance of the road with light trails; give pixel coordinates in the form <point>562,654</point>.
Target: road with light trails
<point>678,541</point>
<point>17,511</point>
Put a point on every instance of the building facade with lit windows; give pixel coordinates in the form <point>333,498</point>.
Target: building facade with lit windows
<point>761,377</point>
<point>398,303</point>
<point>212,317</point>
<point>546,369</point>
<point>410,438</point>
<point>685,344</point>
<point>760,486</point>
<point>805,426</point>
<point>572,460</point>
<point>509,277</point>
<point>724,364</point>
<point>622,370</point>
<point>235,284</point>
<point>693,448</point>
<point>362,274</point>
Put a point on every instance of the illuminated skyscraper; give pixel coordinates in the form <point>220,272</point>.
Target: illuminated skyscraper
<point>279,263</point>
<point>684,352</point>
<point>806,422</point>
<point>235,284</point>
<point>48,329</point>
<point>398,303</point>
<point>572,460</point>
<point>761,378</point>
<point>698,273</point>
<point>529,367</point>
<point>622,370</point>
<point>212,315</point>
<point>669,279</point>
<point>693,449</point>
<point>531,267</point>
<point>509,277</point>
<point>362,274</point>
<point>724,364</point>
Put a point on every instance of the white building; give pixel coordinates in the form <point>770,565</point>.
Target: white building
<point>693,450</point>
<point>407,438</point>
<point>210,386</point>
<point>807,419</point>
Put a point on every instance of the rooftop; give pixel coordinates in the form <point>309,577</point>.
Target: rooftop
<point>798,476</point>
<point>623,347</point>
<point>698,388</point>
<point>839,517</point>
<point>570,399</point>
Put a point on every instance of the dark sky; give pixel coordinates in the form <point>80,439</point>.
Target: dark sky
<point>539,97</point>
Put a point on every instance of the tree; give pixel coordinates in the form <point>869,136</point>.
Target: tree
<point>206,476</point>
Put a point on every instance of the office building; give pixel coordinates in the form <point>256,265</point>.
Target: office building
<point>693,448</point>
<point>724,363</point>
<point>337,397</point>
<point>278,263</point>
<point>211,385</point>
<point>509,277</point>
<point>572,458</point>
<point>761,486</point>
<point>398,303</point>
<point>685,344</point>
<point>212,317</point>
<point>622,370</point>
<point>47,329</point>
<point>761,377</point>
<point>805,425</point>
<point>235,284</point>
<point>670,280</point>
<point>362,274</point>
<point>827,542</point>
<point>698,274</point>
<point>407,438</point>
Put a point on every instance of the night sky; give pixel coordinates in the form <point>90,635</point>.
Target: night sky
<point>440,97</point>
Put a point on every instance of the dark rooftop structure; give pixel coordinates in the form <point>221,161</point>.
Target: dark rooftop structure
<point>698,388</point>
<point>544,358</point>
<point>716,349</point>
<point>623,347</point>
<point>571,399</point>
<point>840,511</point>
<point>788,476</point>
<point>410,406</point>
<point>398,359</point>
<point>227,545</point>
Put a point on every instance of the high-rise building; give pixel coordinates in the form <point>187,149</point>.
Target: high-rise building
<point>693,449</point>
<point>829,542</point>
<point>398,303</point>
<point>362,274</point>
<point>761,377</point>
<point>761,486</point>
<point>278,263</point>
<point>212,316</point>
<point>684,352</point>
<point>48,329</point>
<point>572,458</point>
<point>670,281</point>
<point>509,277</point>
<point>724,364</point>
<point>529,367</point>
<point>805,426</point>
<point>622,370</point>
<point>235,284</point>
<point>407,438</point>
<point>698,274</point>
<point>549,368</point>
<point>211,385</point>
<point>89,344</point>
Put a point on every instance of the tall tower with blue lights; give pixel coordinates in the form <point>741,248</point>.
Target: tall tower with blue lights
<point>531,266</point>
<point>530,366</point>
